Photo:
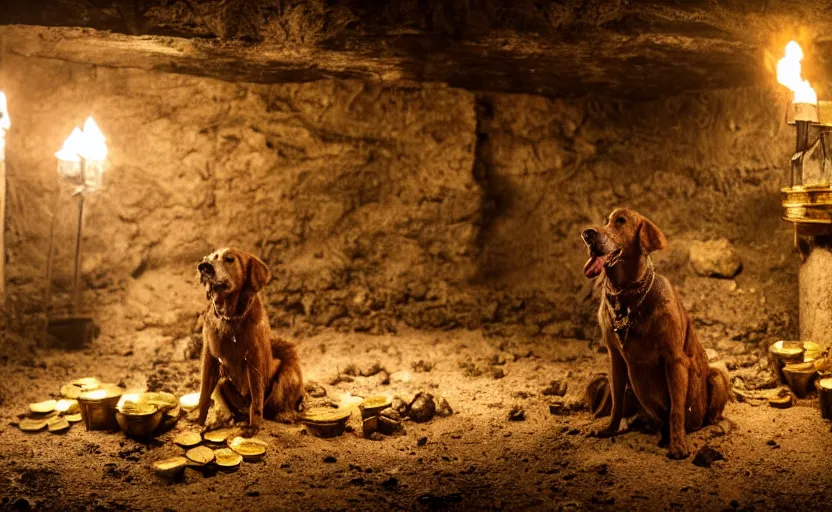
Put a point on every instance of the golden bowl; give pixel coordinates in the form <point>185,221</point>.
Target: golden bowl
<point>139,424</point>
<point>98,407</point>
<point>799,377</point>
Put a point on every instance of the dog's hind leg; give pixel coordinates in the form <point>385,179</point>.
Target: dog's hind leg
<point>719,394</point>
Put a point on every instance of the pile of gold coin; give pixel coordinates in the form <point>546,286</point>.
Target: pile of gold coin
<point>57,416</point>
<point>222,448</point>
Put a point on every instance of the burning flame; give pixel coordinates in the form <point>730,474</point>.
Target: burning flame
<point>788,74</point>
<point>5,120</point>
<point>88,144</point>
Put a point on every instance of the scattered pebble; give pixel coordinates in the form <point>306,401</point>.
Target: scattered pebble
<point>706,456</point>
<point>315,390</point>
<point>329,459</point>
<point>517,413</point>
<point>422,441</point>
<point>555,388</point>
<point>443,408</point>
<point>498,373</point>
<point>422,366</point>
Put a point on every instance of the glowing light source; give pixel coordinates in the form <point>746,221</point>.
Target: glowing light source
<point>128,397</point>
<point>789,74</point>
<point>83,153</point>
<point>189,402</point>
<point>5,124</point>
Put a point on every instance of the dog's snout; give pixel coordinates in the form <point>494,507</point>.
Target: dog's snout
<point>589,235</point>
<point>205,268</point>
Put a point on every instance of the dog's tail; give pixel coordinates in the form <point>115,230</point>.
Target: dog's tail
<point>286,395</point>
<point>719,394</point>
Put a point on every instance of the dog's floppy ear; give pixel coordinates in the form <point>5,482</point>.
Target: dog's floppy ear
<point>650,237</point>
<point>259,274</point>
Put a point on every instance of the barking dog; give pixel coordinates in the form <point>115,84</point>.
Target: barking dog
<point>652,345</point>
<point>255,370</point>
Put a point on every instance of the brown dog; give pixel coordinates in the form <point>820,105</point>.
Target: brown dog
<point>652,345</point>
<point>255,370</point>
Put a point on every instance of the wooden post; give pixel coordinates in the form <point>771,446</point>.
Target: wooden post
<point>2,223</point>
<point>815,292</point>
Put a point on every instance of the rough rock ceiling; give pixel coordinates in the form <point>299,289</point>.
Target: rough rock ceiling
<point>636,48</point>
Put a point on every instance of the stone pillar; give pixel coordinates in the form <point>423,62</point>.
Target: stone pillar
<point>815,292</point>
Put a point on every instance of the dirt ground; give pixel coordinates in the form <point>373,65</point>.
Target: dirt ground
<point>474,459</point>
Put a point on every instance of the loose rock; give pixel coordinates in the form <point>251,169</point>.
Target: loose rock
<point>422,408</point>
<point>715,258</point>
<point>706,456</point>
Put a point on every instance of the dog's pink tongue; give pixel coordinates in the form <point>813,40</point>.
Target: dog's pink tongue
<point>594,266</point>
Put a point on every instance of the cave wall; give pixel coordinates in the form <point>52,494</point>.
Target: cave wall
<point>382,205</point>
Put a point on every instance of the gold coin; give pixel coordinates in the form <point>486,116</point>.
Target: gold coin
<point>188,439</point>
<point>65,406</point>
<point>250,449</point>
<point>74,388</point>
<point>825,383</point>
<point>221,435</point>
<point>227,458</point>
<point>33,425</point>
<point>325,415</point>
<point>56,425</point>
<point>73,418</point>
<point>43,407</point>
<point>201,455</point>
<point>170,468</point>
<point>161,399</point>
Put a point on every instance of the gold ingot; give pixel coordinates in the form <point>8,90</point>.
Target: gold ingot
<point>187,439</point>
<point>201,455</point>
<point>44,407</point>
<point>250,449</point>
<point>170,468</point>
<point>221,435</point>
<point>227,458</point>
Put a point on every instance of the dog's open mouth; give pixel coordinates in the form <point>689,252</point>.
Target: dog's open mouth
<point>597,262</point>
<point>219,287</point>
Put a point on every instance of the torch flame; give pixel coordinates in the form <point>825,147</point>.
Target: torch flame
<point>788,74</point>
<point>5,120</point>
<point>88,144</point>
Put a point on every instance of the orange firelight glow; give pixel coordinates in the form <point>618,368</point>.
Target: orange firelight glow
<point>788,74</point>
<point>88,144</point>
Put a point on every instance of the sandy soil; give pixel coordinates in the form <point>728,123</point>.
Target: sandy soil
<point>474,459</point>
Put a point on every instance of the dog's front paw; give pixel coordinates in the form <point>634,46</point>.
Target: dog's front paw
<point>603,430</point>
<point>678,450</point>
<point>249,430</point>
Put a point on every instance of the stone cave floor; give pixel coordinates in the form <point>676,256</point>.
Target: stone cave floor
<point>474,459</point>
